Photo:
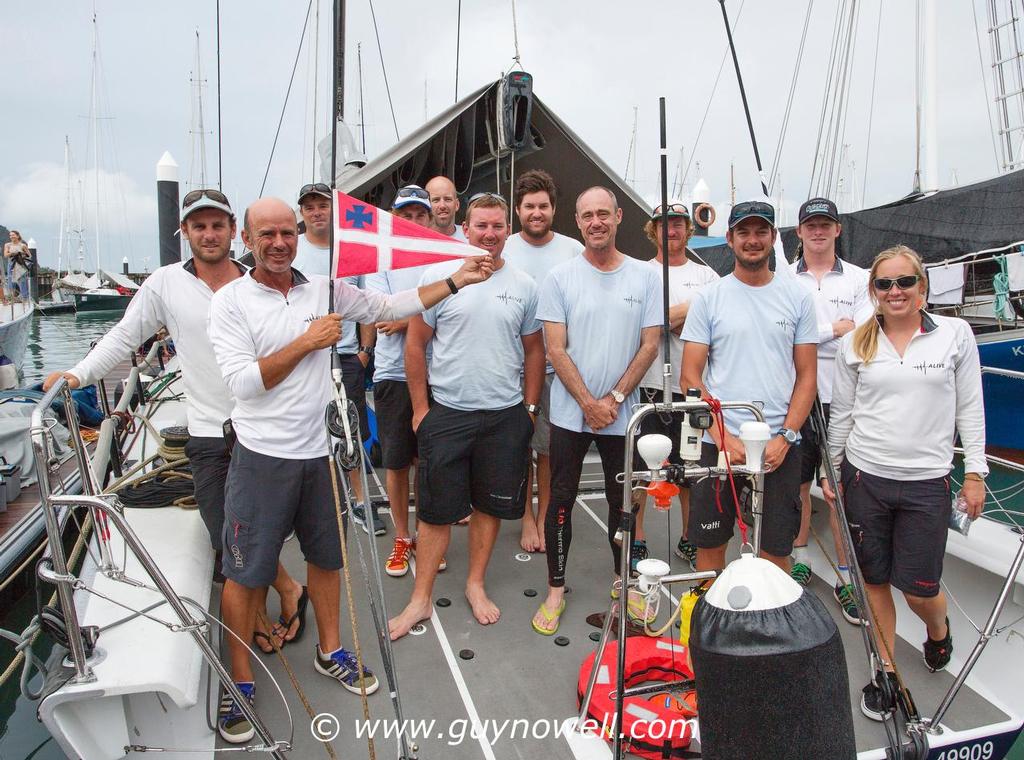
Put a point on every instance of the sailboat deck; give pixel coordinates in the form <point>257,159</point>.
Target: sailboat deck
<point>457,670</point>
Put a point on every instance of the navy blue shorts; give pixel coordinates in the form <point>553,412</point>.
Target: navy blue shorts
<point>899,528</point>
<point>265,499</point>
<point>393,408</point>
<point>209,458</point>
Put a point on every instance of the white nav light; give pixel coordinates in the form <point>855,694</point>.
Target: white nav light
<point>755,436</point>
<point>654,449</point>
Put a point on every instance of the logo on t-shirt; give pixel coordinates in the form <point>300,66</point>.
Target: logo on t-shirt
<point>632,300</point>
<point>312,318</point>
<point>506,297</point>
<point>837,301</point>
<point>923,367</point>
<point>786,324</point>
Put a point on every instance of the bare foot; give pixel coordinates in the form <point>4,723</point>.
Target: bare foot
<point>541,545</point>
<point>528,538</point>
<point>485,611</point>
<point>402,623</point>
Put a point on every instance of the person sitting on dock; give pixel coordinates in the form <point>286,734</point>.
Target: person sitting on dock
<point>751,336</point>
<point>914,381</point>
<point>536,249</point>
<point>474,438</point>
<point>444,205</point>
<point>602,319</point>
<point>269,330</point>
<point>177,296</point>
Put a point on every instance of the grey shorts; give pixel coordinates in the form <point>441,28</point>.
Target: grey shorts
<point>209,458</point>
<point>541,440</point>
<point>265,499</point>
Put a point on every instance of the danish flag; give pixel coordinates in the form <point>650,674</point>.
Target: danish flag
<point>367,239</point>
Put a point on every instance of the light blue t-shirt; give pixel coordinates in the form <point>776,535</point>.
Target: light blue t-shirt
<point>751,332</point>
<point>389,356</point>
<point>603,314</point>
<point>477,348</point>
<point>311,259</point>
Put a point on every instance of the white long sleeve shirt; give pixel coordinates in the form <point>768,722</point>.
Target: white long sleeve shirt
<point>250,321</point>
<point>841,294</point>
<point>896,417</point>
<point>173,297</point>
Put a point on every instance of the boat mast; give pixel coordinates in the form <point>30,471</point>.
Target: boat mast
<point>95,132</point>
<point>1007,63</point>
<point>198,131</point>
<point>65,209</point>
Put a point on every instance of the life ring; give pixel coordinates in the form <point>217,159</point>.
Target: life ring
<point>655,728</point>
<point>704,215</point>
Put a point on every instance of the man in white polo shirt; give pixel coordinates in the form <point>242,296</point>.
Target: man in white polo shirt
<point>269,330</point>
<point>474,438</point>
<point>841,302</point>
<point>177,296</point>
<point>444,205</point>
<point>536,249</point>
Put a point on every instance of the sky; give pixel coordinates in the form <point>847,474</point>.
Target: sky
<point>597,64</point>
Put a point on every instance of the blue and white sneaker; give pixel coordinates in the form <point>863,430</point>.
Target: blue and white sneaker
<point>232,725</point>
<point>342,666</point>
<point>359,515</point>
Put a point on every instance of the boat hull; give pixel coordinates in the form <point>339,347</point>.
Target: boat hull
<point>15,323</point>
<point>1004,350</point>
<point>93,302</point>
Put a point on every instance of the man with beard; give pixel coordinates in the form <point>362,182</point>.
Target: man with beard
<point>177,296</point>
<point>444,204</point>
<point>602,318</point>
<point>756,334</point>
<point>536,249</point>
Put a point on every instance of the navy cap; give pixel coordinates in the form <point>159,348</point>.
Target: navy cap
<point>748,209</point>
<point>818,207</point>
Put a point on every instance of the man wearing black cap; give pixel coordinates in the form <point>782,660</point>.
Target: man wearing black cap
<point>841,302</point>
<point>754,331</point>
<point>313,256</point>
<point>685,278</point>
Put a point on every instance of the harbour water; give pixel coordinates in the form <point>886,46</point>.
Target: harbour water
<point>58,341</point>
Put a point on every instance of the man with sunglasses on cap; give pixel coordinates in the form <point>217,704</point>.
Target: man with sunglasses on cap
<point>537,249</point>
<point>841,302</point>
<point>751,336</point>
<point>474,438</point>
<point>313,256</point>
<point>685,278</point>
<point>391,401</point>
<point>444,204</point>
<point>270,330</point>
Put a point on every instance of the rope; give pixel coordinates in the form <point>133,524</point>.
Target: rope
<point>871,107</point>
<point>351,601</point>
<point>458,41</point>
<point>1001,286</point>
<point>384,70</point>
<point>789,100</point>
<point>515,33</point>
<point>287,94</point>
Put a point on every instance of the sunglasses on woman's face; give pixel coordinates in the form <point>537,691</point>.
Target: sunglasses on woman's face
<point>905,282</point>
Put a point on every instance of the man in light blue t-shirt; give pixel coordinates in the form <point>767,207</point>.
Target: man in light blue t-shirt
<point>756,334</point>
<point>474,438</point>
<point>602,318</point>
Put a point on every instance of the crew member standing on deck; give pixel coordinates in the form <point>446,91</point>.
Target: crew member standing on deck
<point>444,205</point>
<point>270,330</point>
<point>841,302</point>
<point>474,438</point>
<point>755,334</point>
<point>536,249</point>
<point>906,382</point>
<point>391,401</point>
<point>685,277</point>
<point>601,325</point>
<point>177,296</point>
<point>356,345</point>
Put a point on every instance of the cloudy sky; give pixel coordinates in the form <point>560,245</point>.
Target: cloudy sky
<point>593,62</point>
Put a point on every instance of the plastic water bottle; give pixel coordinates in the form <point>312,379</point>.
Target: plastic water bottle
<point>958,518</point>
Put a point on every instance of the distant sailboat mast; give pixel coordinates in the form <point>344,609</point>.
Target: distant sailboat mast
<point>95,133</point>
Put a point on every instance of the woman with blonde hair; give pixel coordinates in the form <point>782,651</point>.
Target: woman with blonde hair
<point>906,382</point>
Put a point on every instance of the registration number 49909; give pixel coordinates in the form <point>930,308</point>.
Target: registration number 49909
<point>977,751</point>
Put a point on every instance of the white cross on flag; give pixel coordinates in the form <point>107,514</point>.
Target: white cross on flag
<point>367,239</point>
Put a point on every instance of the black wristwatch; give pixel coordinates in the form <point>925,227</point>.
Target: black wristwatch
<point>368,350</point>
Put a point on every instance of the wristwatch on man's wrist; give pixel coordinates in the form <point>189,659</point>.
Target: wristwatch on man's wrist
<point>619,396</point>
<point>532,408</point>
<point>789,435</point>
<point>368,350</point>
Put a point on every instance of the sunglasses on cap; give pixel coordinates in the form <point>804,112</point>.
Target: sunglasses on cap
<point>413,192</point>
<point>747,208</point>
<point>194,195</point>
<point>314,187</point>
<point>905,282</point>
<point>496,196</point>
<point>673,208</point>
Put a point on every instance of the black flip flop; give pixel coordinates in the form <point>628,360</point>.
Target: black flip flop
<point>300,615</point>
<point>258,636</point>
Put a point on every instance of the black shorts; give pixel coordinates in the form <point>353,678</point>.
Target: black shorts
<point>353,375</point>
<point>708,528</point>
<point>810,452</point>
<point>265,499</point>
<point>899,528</point>
<point>474,459</point>
<point>393,408</point>
<point>209,458</point>
<point>669,425</point>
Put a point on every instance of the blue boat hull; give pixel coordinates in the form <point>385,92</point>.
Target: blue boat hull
<point>1003,394</point>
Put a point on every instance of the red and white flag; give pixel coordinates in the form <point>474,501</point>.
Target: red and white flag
<point>367,239</point>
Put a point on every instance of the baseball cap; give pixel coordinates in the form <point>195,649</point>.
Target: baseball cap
<point>314,188</point>
<point>748,209</point>
<point>818,207</point>
<point>196,200</point>
<point>675,208</point>
<point>412,194</point>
